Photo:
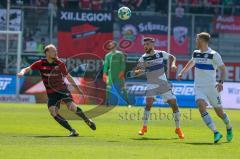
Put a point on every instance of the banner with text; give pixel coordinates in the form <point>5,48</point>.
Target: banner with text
<point>134,30</point>
<point>227,24</point>
<point>8,84</point>
<point>84,32</point>
<point>184,91</point>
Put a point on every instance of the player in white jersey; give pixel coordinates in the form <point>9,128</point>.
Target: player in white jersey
<point>152,64</point>
<point>207,90</point>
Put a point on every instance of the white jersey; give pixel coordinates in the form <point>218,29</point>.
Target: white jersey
<point>206,64</point>
<point>154,68</point>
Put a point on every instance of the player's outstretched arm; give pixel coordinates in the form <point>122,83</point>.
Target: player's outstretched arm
<point>73,83</point>
<point>188,66</point>
<point>23,71</point>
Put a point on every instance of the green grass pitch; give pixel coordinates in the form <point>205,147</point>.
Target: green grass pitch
<point>27,131</point>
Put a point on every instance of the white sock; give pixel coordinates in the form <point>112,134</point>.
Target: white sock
<point>176,115</point>
<point>146,117</point>
<point>227,121</point>
<point>209,122</point>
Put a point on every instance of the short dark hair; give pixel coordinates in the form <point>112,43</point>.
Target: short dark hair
<point>205,36</point>
<point>149,39</point>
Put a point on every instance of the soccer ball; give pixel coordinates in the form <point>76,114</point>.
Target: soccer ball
<point>124,13</point>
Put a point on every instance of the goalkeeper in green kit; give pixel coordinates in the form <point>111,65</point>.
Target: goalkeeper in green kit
<point>113,72</point>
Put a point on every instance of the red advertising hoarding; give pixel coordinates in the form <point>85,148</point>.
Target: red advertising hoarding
<point>83,32</point>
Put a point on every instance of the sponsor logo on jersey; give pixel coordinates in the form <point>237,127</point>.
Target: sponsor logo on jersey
<point>50,74</point>
<point>201,60</point>
<point>198,55</point>
<point>156,61</point>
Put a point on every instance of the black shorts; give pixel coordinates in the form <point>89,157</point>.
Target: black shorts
<point>54,99</point>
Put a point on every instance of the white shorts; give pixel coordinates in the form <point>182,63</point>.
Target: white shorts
<point>209,94</point>
<point>165,96</point>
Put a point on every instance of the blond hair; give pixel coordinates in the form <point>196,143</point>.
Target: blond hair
<point>204,36</point>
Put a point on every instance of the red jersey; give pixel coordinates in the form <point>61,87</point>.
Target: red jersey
<point>52,74</point>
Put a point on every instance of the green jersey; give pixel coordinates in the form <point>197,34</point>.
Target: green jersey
<point>114,64</point>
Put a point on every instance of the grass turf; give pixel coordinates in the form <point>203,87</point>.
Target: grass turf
<point>27,131</point>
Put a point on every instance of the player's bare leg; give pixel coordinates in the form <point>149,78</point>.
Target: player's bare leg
<point>63,122</point>
<point>176,115</point>
<point>202,106</point>
<point>73,107</point>
<point>221,114</point>
<point>146,115</point>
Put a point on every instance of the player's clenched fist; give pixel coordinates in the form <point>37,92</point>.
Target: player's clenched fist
<point>137,72</point>
<point>121,75</point>
<point>105,77</point>
<point>179,76</point>
<point>20,74</point>
<point>219,87</point>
